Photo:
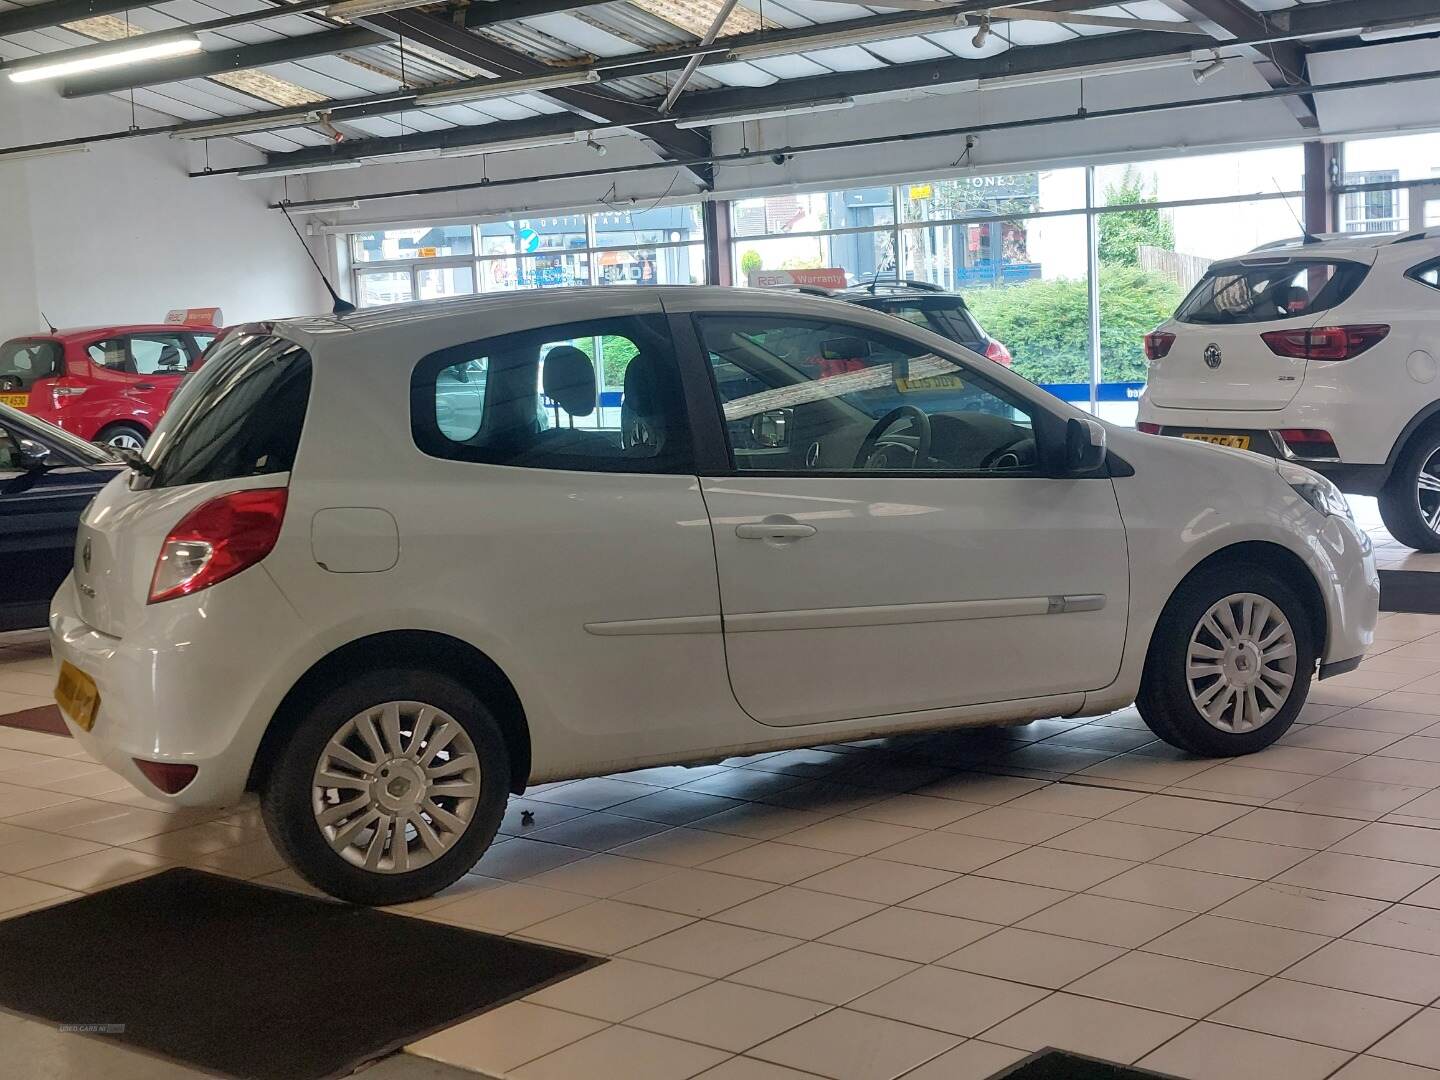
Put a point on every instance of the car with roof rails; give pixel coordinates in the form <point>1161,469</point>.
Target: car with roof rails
<point>106,384</point>
<point>397,609</point>
<point>1324,351</point>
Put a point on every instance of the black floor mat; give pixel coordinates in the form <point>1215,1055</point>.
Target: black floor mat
<point>1062,1065</point>
<point>254,982</point>
<point>1415,591</point>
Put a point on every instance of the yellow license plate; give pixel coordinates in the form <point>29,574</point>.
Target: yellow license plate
<point>77,695</point>
<point>1237,442</point>
<point>15,401</point>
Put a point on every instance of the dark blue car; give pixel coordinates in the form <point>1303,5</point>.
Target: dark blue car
<point>47,478</point>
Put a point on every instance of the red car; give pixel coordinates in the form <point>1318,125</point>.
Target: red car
<point>106,384</point>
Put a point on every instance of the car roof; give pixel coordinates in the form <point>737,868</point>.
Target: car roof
<point>1342,243</point>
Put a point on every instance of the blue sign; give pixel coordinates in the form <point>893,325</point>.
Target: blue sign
<point>528,239</point>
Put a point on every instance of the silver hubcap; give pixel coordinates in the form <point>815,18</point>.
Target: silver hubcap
<point>1240,667</point>
<point>125,441</point>
<point>1427,491</point>
<point>396,787</point>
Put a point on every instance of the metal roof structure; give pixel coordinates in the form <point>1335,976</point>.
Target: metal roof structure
<point>325,90</point>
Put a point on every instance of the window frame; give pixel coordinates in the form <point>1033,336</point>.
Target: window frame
<point>427,438</point>
<point>719,460</point>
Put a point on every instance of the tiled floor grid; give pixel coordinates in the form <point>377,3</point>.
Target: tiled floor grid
<point>931,907</point>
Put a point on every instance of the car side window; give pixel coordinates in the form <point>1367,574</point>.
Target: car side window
<point>112,353</point>
<point>803,395</point>
<point>9,452</point>
<point>543,399</point>
<point>159,354</point>
<point>1427,274</point>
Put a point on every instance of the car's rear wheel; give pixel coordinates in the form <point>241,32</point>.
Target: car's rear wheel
<point>390,787</point>
<point>125,436</point>
<point>1410,500</point>
<point>1230,663</point>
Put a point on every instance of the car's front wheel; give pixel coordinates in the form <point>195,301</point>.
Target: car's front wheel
<point>1410,500</point>
<point>390,787</point>
<point>1230,663</point>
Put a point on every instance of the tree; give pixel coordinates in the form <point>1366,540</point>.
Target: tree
<point>751,261</point>
<point>1122,234</point>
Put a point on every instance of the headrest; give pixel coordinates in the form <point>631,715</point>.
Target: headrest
<point>642,388</point>
<point>569,379</point>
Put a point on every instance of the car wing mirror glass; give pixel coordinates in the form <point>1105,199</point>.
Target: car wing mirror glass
<point>1085,446</point>
<point>771,429</point>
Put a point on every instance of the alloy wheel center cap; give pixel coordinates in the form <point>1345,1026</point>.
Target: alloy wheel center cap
<point>399,785</point>
<point>1242,665</point>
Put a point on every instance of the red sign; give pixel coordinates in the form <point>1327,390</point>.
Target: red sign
<point>826,277</point>
<point>195,316</point>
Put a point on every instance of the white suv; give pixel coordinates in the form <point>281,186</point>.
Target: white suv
<point>1321,351</point>
<point>755,521</point>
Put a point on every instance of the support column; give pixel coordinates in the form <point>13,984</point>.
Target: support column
<point>715,215</point>
<point>1319,202</point>
<point>1092,261</point>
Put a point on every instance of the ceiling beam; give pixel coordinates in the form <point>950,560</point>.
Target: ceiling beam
<point>1281,64</point>
<point>56,12</point>
<point>201,65</point>
<point>598,104</point>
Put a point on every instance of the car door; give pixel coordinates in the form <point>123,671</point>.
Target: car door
<point>39,513</point>
<point>158,361</point>
<point>888,538</point>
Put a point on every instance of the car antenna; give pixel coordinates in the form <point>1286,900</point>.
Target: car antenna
<point>1306,236</point>
<point>49,326</point>
<point>341,307</point>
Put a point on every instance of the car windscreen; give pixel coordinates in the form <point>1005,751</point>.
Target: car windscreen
<point>1270,291</point>
<point>240,415</point>
<point>27,427</point>
<point>22,362</point>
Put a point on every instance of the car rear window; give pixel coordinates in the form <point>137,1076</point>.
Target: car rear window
<point>1270,291</point>
<point>946,317</point>
<point>22,362</point>
<point>239,415</point>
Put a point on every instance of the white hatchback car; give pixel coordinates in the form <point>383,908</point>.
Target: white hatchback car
<point>1322,352</point>
<point>756,521</point>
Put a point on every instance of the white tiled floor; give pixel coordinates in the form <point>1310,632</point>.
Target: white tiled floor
<point>932,907</point>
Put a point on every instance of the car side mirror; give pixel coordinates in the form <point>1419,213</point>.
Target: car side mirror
<point>1085,446</point>
<point>32,456</point>
<point>769,430</point>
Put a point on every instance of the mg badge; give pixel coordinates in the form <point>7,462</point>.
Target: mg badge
<point>1212,355</point>
<point>85,556</point>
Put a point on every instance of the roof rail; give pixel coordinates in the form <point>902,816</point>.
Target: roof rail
<point>1422,234</point>
<point>898,283</point>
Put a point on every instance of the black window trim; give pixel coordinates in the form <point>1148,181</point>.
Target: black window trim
<point>699,376</point>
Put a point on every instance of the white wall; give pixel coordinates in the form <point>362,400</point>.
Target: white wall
<point>122,234</point>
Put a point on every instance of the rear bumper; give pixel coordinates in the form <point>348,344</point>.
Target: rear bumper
<point>175,690</point>
<point>1356,479</point>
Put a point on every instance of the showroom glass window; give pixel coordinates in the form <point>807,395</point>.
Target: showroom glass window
<point>801,395</point>
<point>1400,177</point>
<point>536,399</point>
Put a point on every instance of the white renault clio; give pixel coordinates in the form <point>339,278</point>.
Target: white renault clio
<point>356,573</point>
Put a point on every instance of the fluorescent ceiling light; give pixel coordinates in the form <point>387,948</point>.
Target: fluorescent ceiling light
<point>819,105</point>
<point>265,172</point>
<point>322,208</point>
<point>43,151</point>
<point>357,9</point>
<point>1400,30</point>
<point>244,125</point>
<point>493,88</point>
<point>76,61</point>
<point>857,36</point>
<point>504,145</point>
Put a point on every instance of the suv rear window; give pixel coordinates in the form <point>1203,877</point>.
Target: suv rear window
<point>240,415</point>
<point>946,316</point>
<point>22,362</point>
<point>1267,291</point>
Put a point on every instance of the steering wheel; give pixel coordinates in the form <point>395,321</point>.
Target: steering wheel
<point>885,423</point>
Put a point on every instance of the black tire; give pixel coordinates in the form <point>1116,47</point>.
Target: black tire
<point>132,432</point>
<point>1165,702</point>
<point>286,794</point>
<point>1399,498</point>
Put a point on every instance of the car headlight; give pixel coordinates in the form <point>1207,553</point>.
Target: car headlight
<point>1316,490</point>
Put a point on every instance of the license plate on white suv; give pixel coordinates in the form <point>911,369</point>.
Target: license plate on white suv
<point>1237,442</point>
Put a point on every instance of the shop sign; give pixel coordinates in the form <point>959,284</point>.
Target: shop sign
<point>829,277</point>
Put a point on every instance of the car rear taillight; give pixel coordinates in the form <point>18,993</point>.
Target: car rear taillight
<point>997,351</point>
<point>1325,342</point>
<point>217,540</point>
<point>1157,344</point>
<point>1148,428</point>
<point>1308,443</point>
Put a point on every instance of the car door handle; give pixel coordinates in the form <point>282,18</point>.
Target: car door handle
<point>141,387</point>
<point>774,530</point>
